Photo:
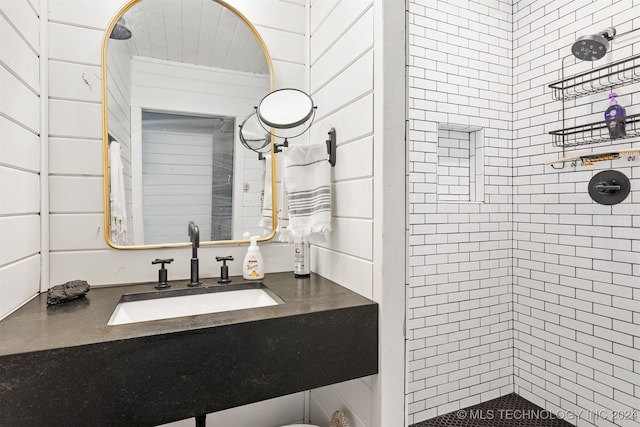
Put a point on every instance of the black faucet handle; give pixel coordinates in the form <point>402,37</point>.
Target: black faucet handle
<point>162,273</point>
<point>224,269</point>
<point>162,261</point>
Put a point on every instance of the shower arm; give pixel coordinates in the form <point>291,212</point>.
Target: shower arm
<point>625,33</point>
<point>615,36</point>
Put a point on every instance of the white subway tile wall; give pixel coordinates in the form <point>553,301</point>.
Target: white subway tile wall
<point>576,263</point>
<point>571,267</point>
<point>459,295</point>
<point>454,169</point>
<point>19,154</point>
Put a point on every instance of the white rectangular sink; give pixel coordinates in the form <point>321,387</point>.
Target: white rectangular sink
<point>187,305</point>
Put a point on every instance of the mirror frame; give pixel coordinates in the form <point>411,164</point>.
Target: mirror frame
<point>105,139</point>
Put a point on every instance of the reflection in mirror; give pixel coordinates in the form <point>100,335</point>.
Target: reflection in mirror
<point>175,93</point>
<point>253,135</point>
<point>187,161</point>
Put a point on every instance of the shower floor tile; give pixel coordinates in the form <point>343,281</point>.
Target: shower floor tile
<point>506,411</point>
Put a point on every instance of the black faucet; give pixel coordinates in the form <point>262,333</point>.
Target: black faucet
<point>194,236</point>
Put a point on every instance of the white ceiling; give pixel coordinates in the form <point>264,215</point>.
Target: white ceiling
<point>199,32</point>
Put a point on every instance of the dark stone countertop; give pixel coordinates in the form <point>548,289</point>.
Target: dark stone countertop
<point>63,365</point>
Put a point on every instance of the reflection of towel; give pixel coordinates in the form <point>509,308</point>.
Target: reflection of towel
<point>283,214</point>
<point>308,176</point>
<point>266,194</point>
<point>118,207</point>
<point>267,213</point>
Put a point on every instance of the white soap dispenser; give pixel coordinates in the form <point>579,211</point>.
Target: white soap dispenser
<point>253,265</point>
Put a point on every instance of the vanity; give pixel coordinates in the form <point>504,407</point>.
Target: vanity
<point>63,365</point>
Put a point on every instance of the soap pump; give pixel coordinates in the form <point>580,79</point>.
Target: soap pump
<point>614,117</point>
<point>253,265</point>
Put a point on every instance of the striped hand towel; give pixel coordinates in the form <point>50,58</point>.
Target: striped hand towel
<point>308,183</point>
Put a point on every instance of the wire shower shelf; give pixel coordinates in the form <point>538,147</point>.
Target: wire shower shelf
<point>593,133</point>
<point>610,76</point>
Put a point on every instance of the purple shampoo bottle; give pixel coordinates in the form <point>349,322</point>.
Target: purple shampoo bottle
<point>614,117</point>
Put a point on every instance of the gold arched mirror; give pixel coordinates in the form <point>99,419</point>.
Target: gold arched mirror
<point>178,77</point>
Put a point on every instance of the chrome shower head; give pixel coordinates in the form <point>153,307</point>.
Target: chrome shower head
<point>120,31</point>
<point>593,47</point>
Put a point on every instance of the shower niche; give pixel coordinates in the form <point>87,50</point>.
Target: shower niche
<point>460,155</point>
<point>583,86</point>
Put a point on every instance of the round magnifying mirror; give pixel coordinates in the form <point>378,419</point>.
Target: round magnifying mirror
<point>285,108</point>
<point>252,134</point>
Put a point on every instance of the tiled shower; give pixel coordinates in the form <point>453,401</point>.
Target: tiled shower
<point>532,288</point>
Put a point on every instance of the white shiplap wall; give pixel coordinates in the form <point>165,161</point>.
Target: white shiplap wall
<point>341,84</point>
<point>459,327</point>
<point>78,250</point>
<point>348,59</point>
<point>359,256</point>
<point>576,263</point>
<point>19,153</point>
<point>77,243</point>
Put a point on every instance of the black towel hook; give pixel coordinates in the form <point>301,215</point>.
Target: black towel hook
<point>332,147</point>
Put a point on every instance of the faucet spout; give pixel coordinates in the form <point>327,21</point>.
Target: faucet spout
<point>194,236</point>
